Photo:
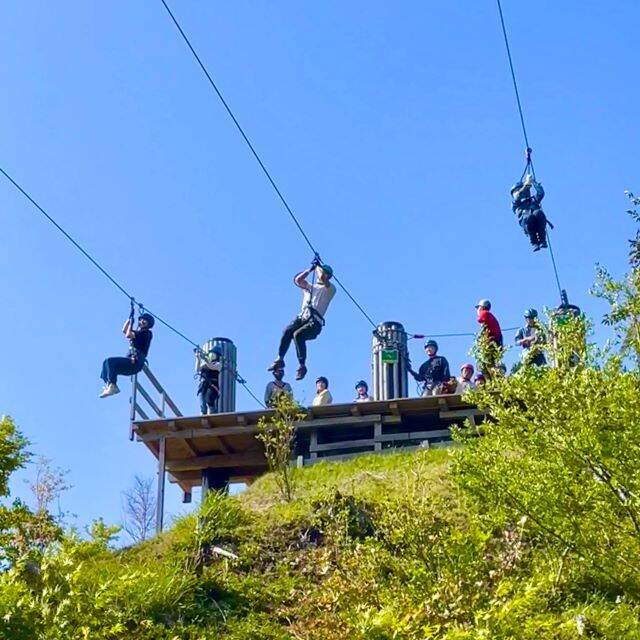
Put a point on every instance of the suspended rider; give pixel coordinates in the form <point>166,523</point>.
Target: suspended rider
<point>308,324</point>
<point>209,368</point>
<point>526,198</point>
<point>139,343</point>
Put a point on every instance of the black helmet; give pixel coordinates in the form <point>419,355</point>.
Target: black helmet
<point>148,317</point>
<point>322,379</point>
<point>362,383</point>
<point>431,343</point>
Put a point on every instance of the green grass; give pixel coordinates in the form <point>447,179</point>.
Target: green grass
<point>380,547</point>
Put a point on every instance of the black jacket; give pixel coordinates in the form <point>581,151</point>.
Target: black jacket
<point>434,371</point>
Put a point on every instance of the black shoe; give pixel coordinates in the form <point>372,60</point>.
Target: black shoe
<point>537,247</point>
<point>278,363</point>
<point>301,372</point>
<point>544,244</point>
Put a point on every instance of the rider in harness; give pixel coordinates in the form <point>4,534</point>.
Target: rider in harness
<point>526,197</point>
<point>308,324</point>
<point>209,367</point>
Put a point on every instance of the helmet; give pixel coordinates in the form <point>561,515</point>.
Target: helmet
<point>484,304</point>
<point>431,343</point>
<point>322,379</point>
<point>217,349</point>
<point>516,187</point>
<point>148,317</point>
<point>530,313</point>
<point>467,365</point>
<point>327,269</point>
<point>362,383</point>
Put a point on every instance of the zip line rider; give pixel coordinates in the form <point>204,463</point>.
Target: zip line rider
<point>308,324</point>
<point>139,343</point>
<point>209,367</point>
<point>526,198</point>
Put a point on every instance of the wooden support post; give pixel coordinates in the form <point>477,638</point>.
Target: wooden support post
<point>377,434</point>
<point>214,480</point>
<point>313,444</point>
<point>162,456</point>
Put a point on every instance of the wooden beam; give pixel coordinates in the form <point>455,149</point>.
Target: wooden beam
<point>199,433</point>
<point>250,459</point>
<point>346,444</point>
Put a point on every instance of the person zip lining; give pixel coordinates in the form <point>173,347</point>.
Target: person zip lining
<point>139,343</point>
<point>526,197</point>
<point>308,324</point>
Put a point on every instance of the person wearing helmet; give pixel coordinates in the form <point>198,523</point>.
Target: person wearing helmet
<point>489,322</point>
<point>209,368</point>
<point>362,392</point>
<point>432,373</point>
<point>308,324</point>
<point>531,338</point>
<point>479,380</point>
<point>139,343</point>
<point>276,388</point>
<point>323,395</point>
<point>526,198</point>
<point>465,381</point>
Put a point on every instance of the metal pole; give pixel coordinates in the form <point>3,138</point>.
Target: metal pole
<point>162,453</point>
<point>133,400</point>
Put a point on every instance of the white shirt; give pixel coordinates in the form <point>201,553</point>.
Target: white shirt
<point>464,385</point>
<point>322,397</point>
<point>364,399</point>
<point>320,296</point>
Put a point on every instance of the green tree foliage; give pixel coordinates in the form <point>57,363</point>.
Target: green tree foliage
<point>277,434</point>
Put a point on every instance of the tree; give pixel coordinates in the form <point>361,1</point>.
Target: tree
<point>562,446</point>
<point>139,507</point>
<point>277,434</point>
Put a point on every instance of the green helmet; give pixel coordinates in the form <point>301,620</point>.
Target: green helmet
<point>327,269</point>
<point>531,313</point>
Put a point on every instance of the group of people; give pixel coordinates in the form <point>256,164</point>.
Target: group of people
<point>434,374</point>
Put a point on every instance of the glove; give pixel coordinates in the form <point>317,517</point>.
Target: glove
<point>316,262</point>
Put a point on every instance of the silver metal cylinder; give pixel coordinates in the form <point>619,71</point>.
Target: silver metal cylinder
<point>390,362</point>
<point>227,400</point>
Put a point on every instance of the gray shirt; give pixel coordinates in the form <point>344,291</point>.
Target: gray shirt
<point>274,389</point>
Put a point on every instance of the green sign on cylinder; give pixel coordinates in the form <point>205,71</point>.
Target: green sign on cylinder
<point>389,356</point>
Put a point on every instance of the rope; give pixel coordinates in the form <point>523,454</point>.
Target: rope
<point>255,154</point>
<point>420,336</point>
<point>515,83</point>
<point>109,277</point>
<point>553,261</point>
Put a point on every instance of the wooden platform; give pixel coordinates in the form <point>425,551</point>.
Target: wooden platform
<point>224,445</point>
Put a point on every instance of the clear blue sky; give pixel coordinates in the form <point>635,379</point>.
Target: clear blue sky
<point>390,127</point>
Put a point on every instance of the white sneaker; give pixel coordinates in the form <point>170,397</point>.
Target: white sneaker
<point>109,390</point>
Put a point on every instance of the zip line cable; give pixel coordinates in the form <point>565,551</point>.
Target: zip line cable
<point>111,279</point>
<point>255,154</point>
<point>513,74</point>
<point>524,131</point>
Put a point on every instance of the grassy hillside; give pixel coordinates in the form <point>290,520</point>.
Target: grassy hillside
<point>381,547</point>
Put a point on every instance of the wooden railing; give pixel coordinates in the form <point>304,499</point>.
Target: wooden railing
<point>158,406</point>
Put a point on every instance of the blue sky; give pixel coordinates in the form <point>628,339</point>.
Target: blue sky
<point>390,127</point>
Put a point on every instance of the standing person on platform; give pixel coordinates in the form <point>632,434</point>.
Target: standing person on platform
<point>531,338</point>
<point>362,392</point>
<point>209,368</point>
<point>433,372</point>
<point>465,381</point>
<point>491,329</point>
<point>139,343</point>
<point>308,324</point>
<point>276,388</point>
<point>323,395</point>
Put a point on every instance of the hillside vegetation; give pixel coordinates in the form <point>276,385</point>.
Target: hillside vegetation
<point>529,532</point>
